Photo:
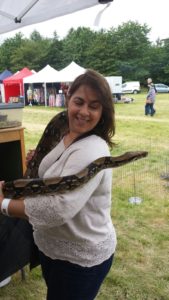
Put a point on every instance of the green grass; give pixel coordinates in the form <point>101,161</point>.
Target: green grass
<point>141,266</point>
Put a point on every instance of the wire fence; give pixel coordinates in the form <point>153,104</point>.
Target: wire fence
<point>147,177</point>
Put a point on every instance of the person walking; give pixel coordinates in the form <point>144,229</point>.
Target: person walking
<point>73,230</point>
<point>150,99</point>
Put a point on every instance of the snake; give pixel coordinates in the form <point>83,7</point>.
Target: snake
<point>30,184</point>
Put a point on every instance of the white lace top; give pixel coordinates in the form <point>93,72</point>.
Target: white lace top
<point>75,226</point>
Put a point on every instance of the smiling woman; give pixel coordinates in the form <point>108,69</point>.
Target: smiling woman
<point>73,230</point>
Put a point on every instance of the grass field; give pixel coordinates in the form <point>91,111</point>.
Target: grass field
<point>141,266</point>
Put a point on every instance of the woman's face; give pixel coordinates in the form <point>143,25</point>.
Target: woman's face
<point>84,111</point>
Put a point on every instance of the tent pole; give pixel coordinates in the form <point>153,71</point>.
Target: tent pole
<point>24,93</point>
<point>20,87</point>
<point>45,93</point>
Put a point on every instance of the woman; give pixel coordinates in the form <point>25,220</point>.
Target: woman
<point>73,231</point>
<point>150,99</point>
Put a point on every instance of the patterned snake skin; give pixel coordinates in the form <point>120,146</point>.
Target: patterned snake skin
<point>54,131</point>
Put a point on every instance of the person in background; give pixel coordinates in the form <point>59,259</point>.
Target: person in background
<point>150,99</point>
<point>29,95</point>
<point>73,230</point>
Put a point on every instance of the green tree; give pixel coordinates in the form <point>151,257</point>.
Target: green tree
<point>54,56</point>
<point>130,44</point>
<point>36,36</point>
<point>7,49</point>
<point>76,45</point>
<point>100,55</point>
<point>165,60</point>
<point>32,54</point>
<point>125,50</point>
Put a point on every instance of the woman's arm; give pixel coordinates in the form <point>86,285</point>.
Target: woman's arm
<point>11,207</point>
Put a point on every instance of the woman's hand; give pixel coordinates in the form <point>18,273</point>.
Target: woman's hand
<point>29,155</point>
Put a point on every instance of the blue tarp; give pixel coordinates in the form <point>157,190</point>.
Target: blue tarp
<point>4,75</point>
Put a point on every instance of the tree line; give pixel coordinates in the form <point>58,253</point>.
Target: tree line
<point>123,51</point>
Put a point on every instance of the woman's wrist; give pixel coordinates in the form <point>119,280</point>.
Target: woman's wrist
<point>4,206</point>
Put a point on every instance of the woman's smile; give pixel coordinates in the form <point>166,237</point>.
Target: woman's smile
<point>82,120</point>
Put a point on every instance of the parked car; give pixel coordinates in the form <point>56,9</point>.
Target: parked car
<point>131,87</point>
<point>161,88</point>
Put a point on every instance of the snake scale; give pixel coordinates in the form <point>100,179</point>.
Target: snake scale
<point>54,131</point>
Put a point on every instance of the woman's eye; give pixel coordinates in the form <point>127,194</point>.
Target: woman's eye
<point>77,102</point>
<point>95,106</point>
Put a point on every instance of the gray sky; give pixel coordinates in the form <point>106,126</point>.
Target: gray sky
<point>152,12</point>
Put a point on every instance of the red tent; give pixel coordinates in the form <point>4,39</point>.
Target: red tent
<point>13,85</point>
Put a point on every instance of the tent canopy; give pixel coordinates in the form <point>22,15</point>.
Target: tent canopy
<point>4,75</point>
<point>69,73</point>
<point>15,14</point>
<point>47,74</point>
<point>13,85</point>
<point>17,78</point>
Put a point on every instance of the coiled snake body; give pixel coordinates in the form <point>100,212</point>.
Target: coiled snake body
<point>31,184</point>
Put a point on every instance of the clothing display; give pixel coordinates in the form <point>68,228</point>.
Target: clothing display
<point>60,99</point>
<point>52,100</point>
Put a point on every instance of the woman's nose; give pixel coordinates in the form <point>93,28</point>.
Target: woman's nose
<point>84,110</point>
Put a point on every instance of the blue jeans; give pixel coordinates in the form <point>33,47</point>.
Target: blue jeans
<point>149,109</point>
<point>67,281</point>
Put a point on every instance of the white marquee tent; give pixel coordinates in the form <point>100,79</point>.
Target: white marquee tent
<point>15,14</point>
<point>47,74</point>
<point>69,73</point>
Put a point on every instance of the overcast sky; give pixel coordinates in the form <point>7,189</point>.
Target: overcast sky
<point>152,12</point>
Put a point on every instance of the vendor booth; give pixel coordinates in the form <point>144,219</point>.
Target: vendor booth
<point>13,85</point>
<point>5,74</point>
<point>36,86</point>
<point>49,86</point>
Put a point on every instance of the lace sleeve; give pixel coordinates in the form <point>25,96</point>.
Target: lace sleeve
<point>55,210</point>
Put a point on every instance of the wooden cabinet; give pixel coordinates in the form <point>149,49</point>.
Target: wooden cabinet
<point>12,153</point>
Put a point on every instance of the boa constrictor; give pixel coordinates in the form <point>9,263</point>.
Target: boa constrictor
<point>31,184</point>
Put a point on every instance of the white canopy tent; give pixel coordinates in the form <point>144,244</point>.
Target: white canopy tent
<point>15,14</point>
<point>69,73</point>
<point>47,74</point>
